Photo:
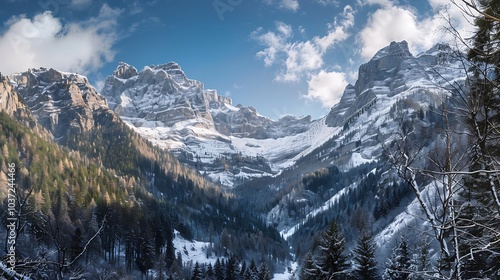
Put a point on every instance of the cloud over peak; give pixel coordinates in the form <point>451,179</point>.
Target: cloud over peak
<point>298,59</point>
<point>396,23</point>
<point>44,41</point>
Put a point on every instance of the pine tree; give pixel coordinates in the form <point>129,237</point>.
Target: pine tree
<point>243,269</point>
<point>231,269</point>
<point>422,261</point>
<point>333,262</point>
<point>399,265</point>
<point>209,274</point>
<point>365,267</point>
<point>264,273</point>
<point>309,269</point>
<point>479,246</point>
<point>254,271</point>
<point>170,249</point>
<point>196,272</point>
<point>218,269</point>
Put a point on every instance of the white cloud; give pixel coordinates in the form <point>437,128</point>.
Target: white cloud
<point>327,87</point>
<point>292,5</point>
<point>395,23</point>
<point>298,59</point>
<point>284,29</point>
<point>302,57</point>
<point>45,42</point>
<point>338,31</point>
<point>328,2</point>
<point>384,3</point>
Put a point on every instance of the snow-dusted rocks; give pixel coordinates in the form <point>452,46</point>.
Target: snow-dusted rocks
<point>393,87</point>
<point>390,72</point>
<point>50,94</point>
<point>202,127</point>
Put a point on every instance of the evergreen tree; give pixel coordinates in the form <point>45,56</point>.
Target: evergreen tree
<point>479,246</point>
<point>243,269</point>
<point>231,269</point>
<point>309,269</point>
<point>254,272</point>
<point>219,271</point>
<point>422,260</point>
<point>196,275</point>
<point>209,274</point>
<point>248,275</point>
<point>398,267</point>
<point>333,262</point>
<point>365,267</point>
<point>264,273</point>
<point>170,249</point>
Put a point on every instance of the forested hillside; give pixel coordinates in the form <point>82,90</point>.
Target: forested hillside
<point>108,195</point>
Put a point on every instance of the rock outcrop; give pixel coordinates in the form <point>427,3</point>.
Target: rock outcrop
<point>393,69</point>
<point>165,95</point>
<point>63,103</point>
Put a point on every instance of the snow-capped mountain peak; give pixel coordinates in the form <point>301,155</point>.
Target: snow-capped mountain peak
<point>229,142</point>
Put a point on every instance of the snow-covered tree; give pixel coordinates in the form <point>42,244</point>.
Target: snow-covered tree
<point>480,246</point>
<point>422,260</point>
<point>309,268</point>
<point>196,275</point>
<point>333,262</point>
<point>365,265</point>
<point>219,270</point>
<point>264,273</point>
<point>232,268</point>
<point>398,266</point>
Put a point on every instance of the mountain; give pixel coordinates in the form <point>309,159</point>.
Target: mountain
<point>64,103</point>
<point>348,177</point>
<point>297,172</point>
<point>162,163</point>
<point>203,128</point>
<point>85,177</point>
<point>230,143</point>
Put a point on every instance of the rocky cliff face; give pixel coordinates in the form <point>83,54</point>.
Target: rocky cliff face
<point>63,103</point>
<point>201,126</point>
<point>9,100</point>
<point>394,89</point>
<point>160,93</point>
<point>165,95</point>
<point>394,70</point>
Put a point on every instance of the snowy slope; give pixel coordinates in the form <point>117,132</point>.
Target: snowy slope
<point>204,129</point>
<point>193,251</point>
<point>394,86</point>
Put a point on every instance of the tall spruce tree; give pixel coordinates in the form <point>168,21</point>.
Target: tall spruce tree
<point>264,273</point>
<point>309,269</point>
<point>232,271</point>
<point>209,274</point>
<point>398,267</point>
<point>365,265</point>
<point>333,261</point>
<point>197,275</point>
<point>422,260</point>
<point>479,246</point>
<point>219,270</point>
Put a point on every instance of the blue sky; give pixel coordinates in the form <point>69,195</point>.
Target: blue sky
<point>279,56</point>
